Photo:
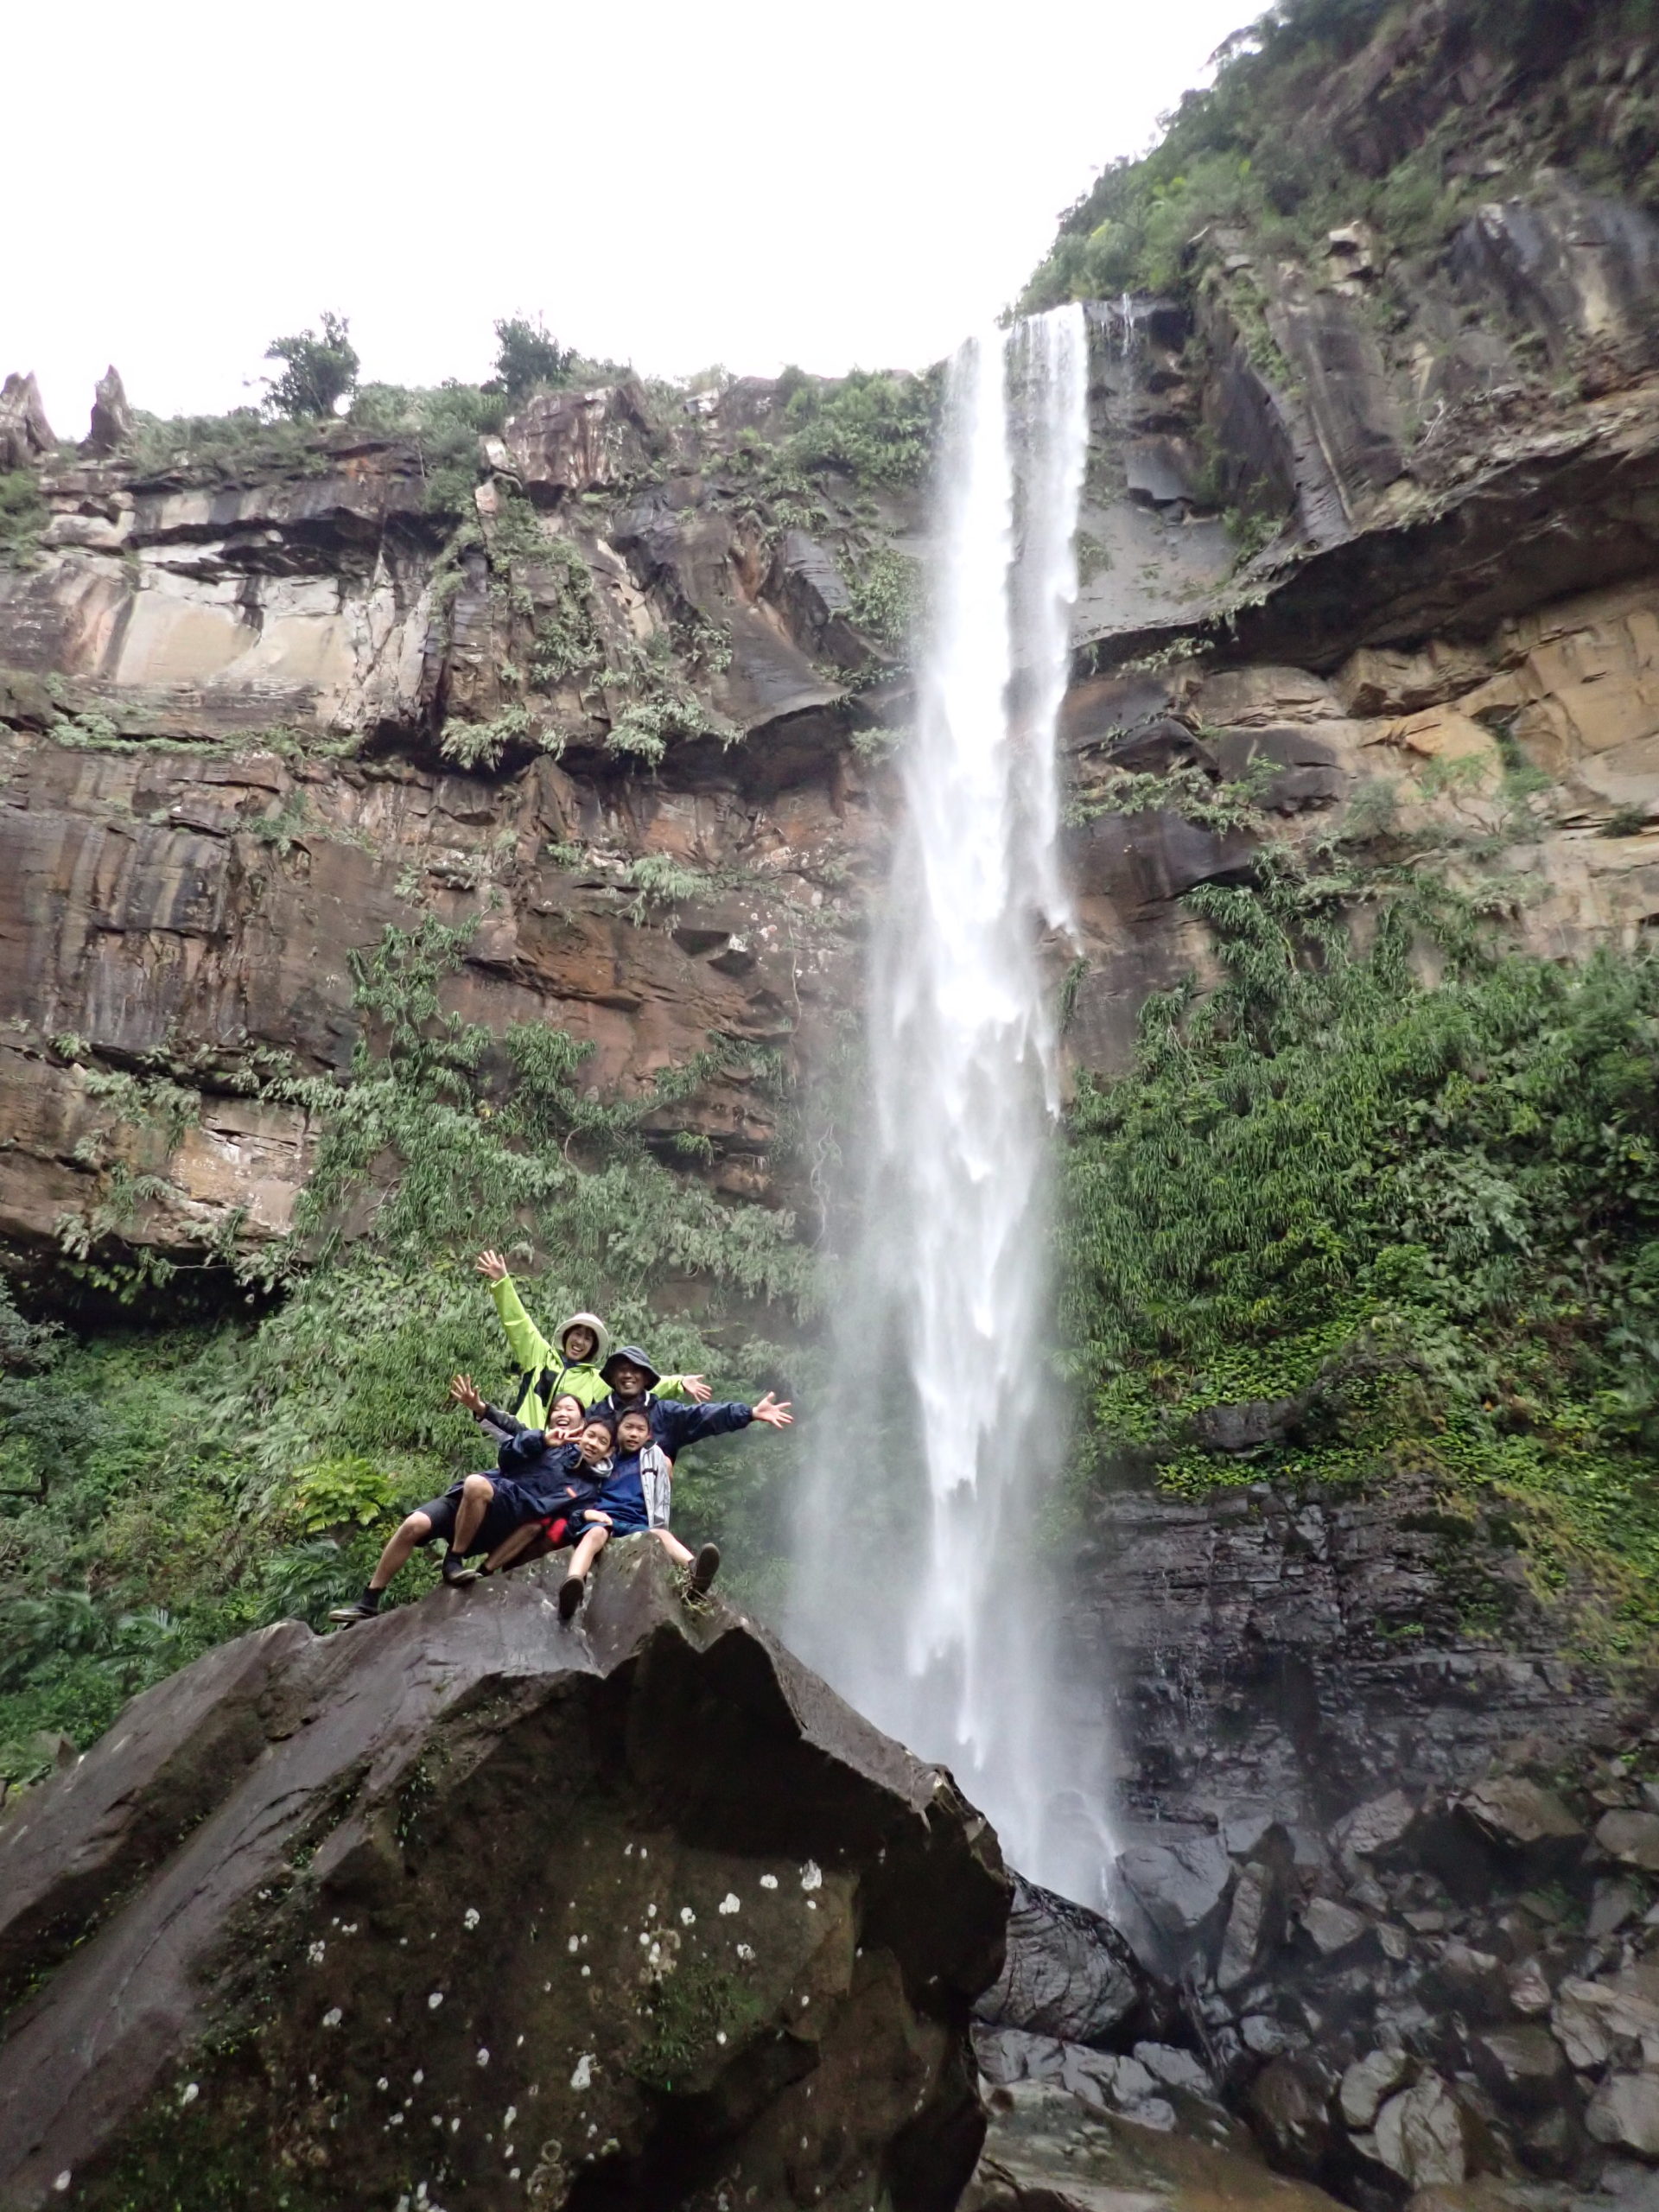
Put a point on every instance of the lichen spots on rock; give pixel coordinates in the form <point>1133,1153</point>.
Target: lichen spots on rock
<point>613,2042</point>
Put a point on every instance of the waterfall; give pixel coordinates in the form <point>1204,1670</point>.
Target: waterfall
<point>917,1587</point>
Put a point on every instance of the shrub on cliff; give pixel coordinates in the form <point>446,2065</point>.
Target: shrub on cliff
<point>875,426</point>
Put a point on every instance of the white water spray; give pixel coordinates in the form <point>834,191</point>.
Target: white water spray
<point>915,1588</point>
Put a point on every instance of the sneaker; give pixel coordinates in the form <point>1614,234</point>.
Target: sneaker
<point>704,1568</point>
<point>358,1610</point>
<point>570,1594</point>
<point>456,1573</point>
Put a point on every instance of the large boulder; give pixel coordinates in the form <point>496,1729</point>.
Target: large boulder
<point>562,443</point>
<point>1527,1824</point>
<point>470,1906</point>
<point>1170,1899</point>
<point>1067,1972</point>
<point>1049,2151</point>
<point>111,424</point>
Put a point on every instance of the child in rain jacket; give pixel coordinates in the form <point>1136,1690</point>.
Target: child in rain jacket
<point>650,1433</point>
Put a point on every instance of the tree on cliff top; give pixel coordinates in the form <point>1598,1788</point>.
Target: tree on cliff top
<point>319,372</point>
<point>528,357</point>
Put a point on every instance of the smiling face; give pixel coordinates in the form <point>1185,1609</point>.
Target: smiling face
<point>580,1343</point>
<point>627,1381</point>
<point>594,1442</point>
<point>564,1417</point>
<point>634,1432</point>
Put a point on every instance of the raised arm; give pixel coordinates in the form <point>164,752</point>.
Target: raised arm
<point>529,1347</point>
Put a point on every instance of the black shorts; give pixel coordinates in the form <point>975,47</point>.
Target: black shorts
<point>505,1511</point>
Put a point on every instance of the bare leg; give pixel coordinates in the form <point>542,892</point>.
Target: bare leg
<point>589,1550</point>
<point>411,1534</point>
<point>571,1588</point>
<point>523,1540</point>
<point>475,1495</point>
<point>672,1544</point>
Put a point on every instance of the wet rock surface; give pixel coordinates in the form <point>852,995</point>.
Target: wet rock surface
<point>1441,1989</point>
<point>467,1905</point>
<point>1289,1658</point>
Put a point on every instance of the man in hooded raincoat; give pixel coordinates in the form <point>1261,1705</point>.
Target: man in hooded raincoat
<point>570,1363</point>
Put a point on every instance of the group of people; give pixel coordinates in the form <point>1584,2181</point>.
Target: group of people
<point>586,1453</point>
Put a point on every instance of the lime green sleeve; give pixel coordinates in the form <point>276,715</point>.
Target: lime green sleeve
<point>529,1347</point>
<point>670,1386</point>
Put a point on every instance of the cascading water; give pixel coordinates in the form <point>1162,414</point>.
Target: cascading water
<point>917,1589</point>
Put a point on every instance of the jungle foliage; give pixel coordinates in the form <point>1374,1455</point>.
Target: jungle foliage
<point>1233,152</point>
<point>874,426</point>
<point>163,1491</point>
<point>1401,1197</point>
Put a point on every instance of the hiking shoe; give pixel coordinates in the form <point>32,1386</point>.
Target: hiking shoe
<point>704,1568</point>
<point>358,1610</point>
<point>456,1573</point>
<point>570,1592</point>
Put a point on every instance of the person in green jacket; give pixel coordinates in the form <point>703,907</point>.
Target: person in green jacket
<point>570,1363</point>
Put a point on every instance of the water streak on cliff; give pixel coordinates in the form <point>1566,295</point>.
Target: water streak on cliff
<point>937,1626</point>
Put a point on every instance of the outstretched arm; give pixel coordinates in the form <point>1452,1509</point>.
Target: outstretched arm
<point>679,1426</point>
<point>682,1386</point>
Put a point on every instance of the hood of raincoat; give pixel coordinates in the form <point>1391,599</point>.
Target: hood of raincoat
<point>635,1358</point>
<point>583,1321</point>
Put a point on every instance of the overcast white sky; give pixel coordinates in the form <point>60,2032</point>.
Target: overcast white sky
<point>671,181</point>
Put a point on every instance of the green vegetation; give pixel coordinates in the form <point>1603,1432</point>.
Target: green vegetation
<point>1232,154</point>
<point>318,373</point>
<point>687,2011</point>
<point>164,1491</point>
<point>874,426</point>
<point>1208,801</point>
<point>1419,1220</point>
<point>528,358</point>
<point>885,590</point>
<point>23,517</point>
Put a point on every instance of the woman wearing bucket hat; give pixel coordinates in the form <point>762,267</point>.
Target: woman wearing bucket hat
<point>571,1362</point>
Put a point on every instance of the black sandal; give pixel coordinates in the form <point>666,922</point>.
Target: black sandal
<point>455,1571</point>
<point>704,1568</point>
<point>571,1591</point>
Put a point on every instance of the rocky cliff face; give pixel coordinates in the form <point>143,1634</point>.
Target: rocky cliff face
<point>471,1906</point>
<point>230,713</point>
<point>1371,542</point>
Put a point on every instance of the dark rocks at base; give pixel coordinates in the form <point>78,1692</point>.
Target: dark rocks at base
<point>464,1906</point>
<point>1529,1823</point>
<point>1048,2151</point>
<point>1066,1972</point>
<point>1440,1990</point>
<point>1631,1837</point>
<point>1170,1899</point>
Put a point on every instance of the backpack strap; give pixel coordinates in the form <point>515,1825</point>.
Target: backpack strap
<point>544,1384</point>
